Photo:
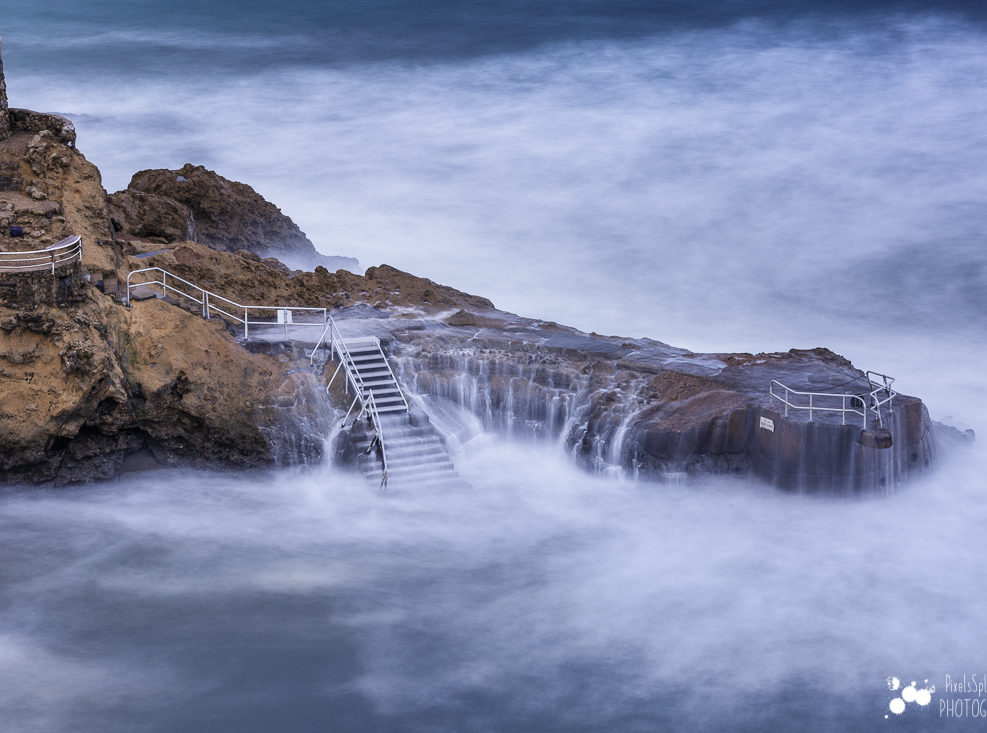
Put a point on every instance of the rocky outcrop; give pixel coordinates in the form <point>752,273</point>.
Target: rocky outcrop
<point>88,384</point>
<point>655,411</point>
<point>26,120</point>
<point>193,203</point>
<point>157,219</point>
<point>246,278</point>
<point>50,191</point>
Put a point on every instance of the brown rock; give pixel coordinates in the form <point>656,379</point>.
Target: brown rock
<point>145,216</point>
<point>227,215</point>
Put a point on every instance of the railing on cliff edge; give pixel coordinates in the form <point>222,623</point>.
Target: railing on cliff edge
<point>879,395</point>
<point>284,317</point>
<point>50,258</point>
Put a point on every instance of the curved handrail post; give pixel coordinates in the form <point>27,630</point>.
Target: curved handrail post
<point>849,403</point>
<point>61,252</point>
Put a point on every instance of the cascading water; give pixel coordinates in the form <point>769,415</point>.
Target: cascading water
<point>300,427</point>
<point>522,394</point>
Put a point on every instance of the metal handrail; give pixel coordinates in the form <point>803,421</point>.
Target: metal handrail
<point>858,405</point>
<point>61,252</point>
<point>884,385</point>
<point>337,345</point>
<point>812,407</point>
<point>205,300</point>
<point>363,394</point>
<point>370,406</point>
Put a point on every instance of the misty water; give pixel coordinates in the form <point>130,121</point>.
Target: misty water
<point>719,176</point>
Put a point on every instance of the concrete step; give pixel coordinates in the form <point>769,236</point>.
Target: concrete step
<point>374,373</point>
<point>404,473</point>
<point>373,383</point>
<point>420,462</point>
<point>393,408</point>
<point>381,400</point>
<point>364,343</point>
<point>374,356</point>
<point>402,443</point>
<point>383,391</point>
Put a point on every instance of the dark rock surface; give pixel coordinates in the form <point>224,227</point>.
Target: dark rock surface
<point>193,203</point>
<point>657,411</point>
<point>154,218</point>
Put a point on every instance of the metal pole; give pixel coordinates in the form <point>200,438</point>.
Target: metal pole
<point>286,311</point>
<point>205,306</point>
<point>164,284</point>
<point>810,406</point>
<point>246,327</point>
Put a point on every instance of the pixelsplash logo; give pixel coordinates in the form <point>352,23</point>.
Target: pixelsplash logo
<point>960,697</point>
<point>910,695</point>
<point>964,697</point>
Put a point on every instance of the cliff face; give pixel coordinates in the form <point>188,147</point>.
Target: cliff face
<point>656,411</point>
<point>50,191</point>
<point>196,204</point>
<point>87,383</point>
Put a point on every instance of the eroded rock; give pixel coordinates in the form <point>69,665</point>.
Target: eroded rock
<point>225,215</point>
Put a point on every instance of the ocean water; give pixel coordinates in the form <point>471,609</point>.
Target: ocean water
<point>717,175</point>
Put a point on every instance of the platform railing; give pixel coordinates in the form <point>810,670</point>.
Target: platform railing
<point>207,301</point>
<point>794,399</point>
<point>878,396</point>
<point>211,303</point>
<point>881,393</point>
<point>60,253</point>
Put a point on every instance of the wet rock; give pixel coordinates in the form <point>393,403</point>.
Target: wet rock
<point>146,216</point>
<point>654,411</point>
<point>227,215</point>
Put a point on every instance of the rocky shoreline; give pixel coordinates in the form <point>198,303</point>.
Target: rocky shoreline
<point>91,385</point>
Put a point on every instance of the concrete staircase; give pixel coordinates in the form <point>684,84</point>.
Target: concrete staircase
<point>364,359</point>
<point>417,456</point>
<point>416,453</point>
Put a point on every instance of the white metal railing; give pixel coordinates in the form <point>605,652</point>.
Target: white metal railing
<point>60,253</point>
<point>879,395</point>
<point>208,302</point>
<point>211,303</point>
<point>338,346</point>
<point>370,406</point>
<point>361,393</point>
